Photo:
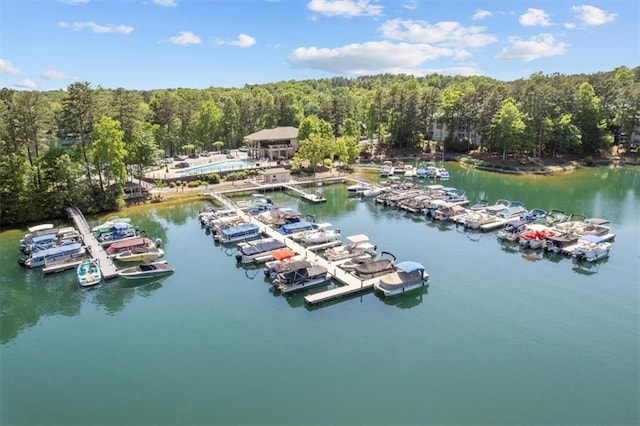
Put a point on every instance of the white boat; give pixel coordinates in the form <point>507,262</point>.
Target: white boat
<point>146,270</point>
<point>406,277</point>
<point>233,234</point>
<point>591,248</point>
<point>421,173</point>
<point>88,274</point>
<point>53,254</point>
<point>249,251</point>
<point>511,230</point>
<point>110,222</point>
<point>534,235</point>
<point>358,245</point>
<point>372,192</point>
<point>138,254</point>
<point>410,171</point>
<point>387,169</point>
<point>357,189</point>
<point>322,234</point>
<point>442,173</point>
<point>300,278</point>
<point>42,227</point>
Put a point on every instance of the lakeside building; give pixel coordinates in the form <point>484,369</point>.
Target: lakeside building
<point>276,144</point>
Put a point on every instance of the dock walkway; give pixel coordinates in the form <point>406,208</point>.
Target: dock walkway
<point>105,263</point>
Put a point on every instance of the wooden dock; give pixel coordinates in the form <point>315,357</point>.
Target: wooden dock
<point>105,263</point>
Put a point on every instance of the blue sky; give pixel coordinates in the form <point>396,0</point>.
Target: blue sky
<point>154,44</point>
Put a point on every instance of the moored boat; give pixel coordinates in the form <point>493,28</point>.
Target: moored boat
<point>146,270</point>
<point>88,273</point>
<point>53,254</point>
<point>138,254</point>
<point>375,268</point>
<point>263,249</point>
<point>407,276</point>
<point>358,245</point>
<point>591,248</point>
<point>300,278</point>
<point>232,234</point>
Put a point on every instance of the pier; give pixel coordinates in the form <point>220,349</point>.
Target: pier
<point>105,263</point>
<point>350,283</point>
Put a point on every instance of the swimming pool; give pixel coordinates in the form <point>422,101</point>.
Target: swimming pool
<point>223,166</point>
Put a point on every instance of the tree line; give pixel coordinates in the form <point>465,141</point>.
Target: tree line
<point>79,146</point>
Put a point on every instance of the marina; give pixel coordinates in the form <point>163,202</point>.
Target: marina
<point>524,316</point>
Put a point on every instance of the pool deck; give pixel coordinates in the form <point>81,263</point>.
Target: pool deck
<point>196,165</point>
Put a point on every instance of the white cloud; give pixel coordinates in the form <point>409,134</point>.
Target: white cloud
<point>185,38</point>
<point>97,28</point>
<point>243,41</point>
<point>410,4</point>
<point>166,3</point>
<point>446,33</point>
<point>481,14</point>
<point>53,75</point>
<point>592,16</point>
<point>536,47</point>
<point>535,18</point>
<point>8,68</point>
<point>347,8</point>
<point>569,25</point>
<point>369,57</point>
<point>25,84</point>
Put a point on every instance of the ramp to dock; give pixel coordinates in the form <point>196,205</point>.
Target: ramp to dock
<point>105,263</point>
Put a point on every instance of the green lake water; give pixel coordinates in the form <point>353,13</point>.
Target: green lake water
<point>500,336</point>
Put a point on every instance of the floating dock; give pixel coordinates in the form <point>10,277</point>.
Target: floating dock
<point>63,266</point>
<point>105,263</point>
<point>350,283</point>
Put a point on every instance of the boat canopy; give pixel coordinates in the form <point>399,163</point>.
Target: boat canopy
<point>240,229</point>
<point>409,266</point>
<point>517,223</point>
<point>43,238</point>
<point>262,247</point>
<point>358,238</point>
<point>592,238</point>
<point>66,248</point>
<point>127,243</point>
<point>289,228</point>
<point>597,221</point>
<point>284,253</point>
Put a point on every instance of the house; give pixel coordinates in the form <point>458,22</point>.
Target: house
<point>276,175</point>
<point>274,144</point>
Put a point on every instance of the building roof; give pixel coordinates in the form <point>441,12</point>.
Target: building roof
<point>279,133</point>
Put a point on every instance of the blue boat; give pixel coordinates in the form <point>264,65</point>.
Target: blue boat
<point>53,254</point>
<point>242,232</point>
<point>292,228</point>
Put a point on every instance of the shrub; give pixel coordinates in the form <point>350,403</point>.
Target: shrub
<point>194,184</point>
<point>214,178</point>
<point>172,184</point>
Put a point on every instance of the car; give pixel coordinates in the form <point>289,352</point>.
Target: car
<point>243,149</point>
<point>226,151</point>
<point>181,157</point>
<point>182,165</point>
<point>205,154</point>
<point>230,156</point>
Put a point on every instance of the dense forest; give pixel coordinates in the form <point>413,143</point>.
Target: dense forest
<point>79,146</point>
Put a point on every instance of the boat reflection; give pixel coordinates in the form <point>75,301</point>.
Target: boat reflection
<point>408,300</point>
<point>583,267</point>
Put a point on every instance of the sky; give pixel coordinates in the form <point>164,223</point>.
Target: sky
<point>158,44</point>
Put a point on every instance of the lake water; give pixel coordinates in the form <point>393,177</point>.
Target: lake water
<point>498,337</point>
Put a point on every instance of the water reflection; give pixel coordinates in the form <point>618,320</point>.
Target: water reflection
<point>407,300</point>
<point>583,267</point>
